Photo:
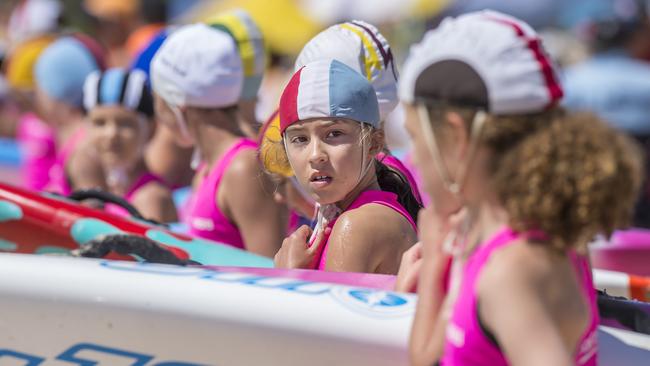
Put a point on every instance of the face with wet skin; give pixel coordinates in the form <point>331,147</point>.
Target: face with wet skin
<point>326,155</point>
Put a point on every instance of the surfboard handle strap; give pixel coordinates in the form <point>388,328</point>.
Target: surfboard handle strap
<point>107,197</point>
<point>135,245</point>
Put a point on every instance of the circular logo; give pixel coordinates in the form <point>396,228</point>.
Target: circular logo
<point>375,302</point>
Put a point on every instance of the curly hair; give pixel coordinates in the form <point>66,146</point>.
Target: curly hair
<point>569,175</point>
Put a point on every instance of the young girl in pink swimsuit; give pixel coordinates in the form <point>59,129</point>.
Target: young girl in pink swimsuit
<point>119,112</point>
<point>329,123</point>
<point>197,79</point>
<point>363,48</point>
<point>519,188</point>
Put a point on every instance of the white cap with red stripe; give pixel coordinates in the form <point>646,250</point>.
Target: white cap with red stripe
<point>484,59</point>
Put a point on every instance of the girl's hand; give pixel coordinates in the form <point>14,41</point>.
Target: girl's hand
<point>296,253</point>
<point>409,269</point>
<point>439,234</point>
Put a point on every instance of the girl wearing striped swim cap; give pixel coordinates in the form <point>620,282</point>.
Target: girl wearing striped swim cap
<point>519,186</point>
<point>329,123</point>
<point>119,114</point>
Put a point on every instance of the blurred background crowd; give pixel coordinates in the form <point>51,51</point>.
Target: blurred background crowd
<point>602,46</point>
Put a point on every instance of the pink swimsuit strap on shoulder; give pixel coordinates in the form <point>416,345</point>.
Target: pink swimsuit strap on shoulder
<point>204,218</point>
<point>139,183</point>
<point>466,341</point>
<point>383,198</point>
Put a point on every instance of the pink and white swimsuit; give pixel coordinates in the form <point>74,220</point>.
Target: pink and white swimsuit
<point>204,217</point>
<point>466,342</point>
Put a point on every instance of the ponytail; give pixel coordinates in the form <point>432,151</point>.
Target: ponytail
<point>391,180</point>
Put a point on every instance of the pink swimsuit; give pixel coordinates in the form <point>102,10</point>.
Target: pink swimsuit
<point>393,162</point>
<point>466,342</point>
<point>38,147</point>
<point>144,179</point>
<point>204,218</point>
<point>383,198</point>
<point>58,177</point>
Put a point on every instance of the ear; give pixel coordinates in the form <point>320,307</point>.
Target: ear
<point>377,141</point>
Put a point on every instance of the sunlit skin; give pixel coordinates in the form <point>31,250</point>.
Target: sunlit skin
<point>522,287</point>
<point>327,158</point>
<point>119,136</point>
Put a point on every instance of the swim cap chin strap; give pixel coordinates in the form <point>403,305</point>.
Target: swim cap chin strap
<point>187,139</point>
<point>478,122</point>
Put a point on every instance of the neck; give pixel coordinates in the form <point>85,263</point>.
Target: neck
<point>367,183</point>
<point>486,219</point>
<point>213,141</point>
<point>132,174</point>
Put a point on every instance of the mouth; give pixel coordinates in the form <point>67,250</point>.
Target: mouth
<point>320,180</point>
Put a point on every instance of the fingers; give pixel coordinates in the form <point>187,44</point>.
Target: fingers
<point>302,233</point>
<point>317,246</point>
<point>412,254</point>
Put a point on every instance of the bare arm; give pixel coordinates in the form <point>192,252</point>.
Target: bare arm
<point>427,334</point>
<point>434,305</point>
<point>155,202</point>
<point>511,305</point>
<point>247,195</point>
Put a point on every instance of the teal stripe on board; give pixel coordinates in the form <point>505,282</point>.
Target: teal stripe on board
<point>10,211</point>
<point>215,254</point>
<point>85,230</point>
<point>8,246</point>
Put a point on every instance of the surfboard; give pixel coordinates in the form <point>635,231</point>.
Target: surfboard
<point>42,223</point>
<point>71,311</point>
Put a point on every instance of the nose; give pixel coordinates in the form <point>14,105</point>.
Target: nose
<point>317,153</point>
<point>110,130</point>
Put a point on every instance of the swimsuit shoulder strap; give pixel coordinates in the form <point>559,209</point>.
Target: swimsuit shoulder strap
<point>383,198</point>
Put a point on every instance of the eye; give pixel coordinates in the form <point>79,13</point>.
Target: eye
<point>298,139</point>
<point>335,133</point>
<point>98,122</point>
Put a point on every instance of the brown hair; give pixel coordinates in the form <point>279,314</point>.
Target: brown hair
<point>567,174</point>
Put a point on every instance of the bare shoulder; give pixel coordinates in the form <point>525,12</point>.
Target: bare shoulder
<point>153,190</point>
<point>245,163</point>
<point>373,225</point>
<point>154,200</point>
